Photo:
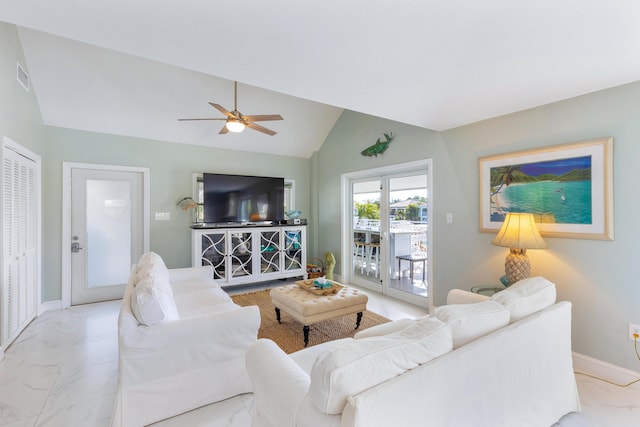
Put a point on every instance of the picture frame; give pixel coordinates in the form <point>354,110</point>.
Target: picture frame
<point>568,188</point>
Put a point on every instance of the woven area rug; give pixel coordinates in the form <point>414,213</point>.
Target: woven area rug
<point>288,335</point>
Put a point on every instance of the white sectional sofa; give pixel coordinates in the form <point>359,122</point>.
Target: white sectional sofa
<point>500,361</point>
<point>181,342</point>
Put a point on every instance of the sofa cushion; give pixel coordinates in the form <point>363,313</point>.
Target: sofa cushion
<point>385,328</point>
<point>471,321</point>
<point>527,296</point>
<point>151,265</point>
<point>352,367</point>
<point>152,302</point>
<point>152,270</point>
<point>150,257</point>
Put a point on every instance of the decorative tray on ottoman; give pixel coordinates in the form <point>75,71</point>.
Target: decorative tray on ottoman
<point>310,286</point>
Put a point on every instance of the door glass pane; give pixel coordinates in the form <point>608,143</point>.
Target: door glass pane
<point>366,231</point>
<point>408,233</point>
<point>108,232</point>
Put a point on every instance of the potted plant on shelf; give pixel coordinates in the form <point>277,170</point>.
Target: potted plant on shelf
<point>188,204</point>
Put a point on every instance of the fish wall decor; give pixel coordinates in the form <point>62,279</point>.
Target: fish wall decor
<point>379,147</point>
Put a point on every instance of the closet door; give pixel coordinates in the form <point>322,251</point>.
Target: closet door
<point>19,242</point>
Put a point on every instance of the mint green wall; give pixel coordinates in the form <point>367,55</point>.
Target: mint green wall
<point>20,117</point>
<point>598,277</point>
<point>171,168</point>
<point>340,154</point>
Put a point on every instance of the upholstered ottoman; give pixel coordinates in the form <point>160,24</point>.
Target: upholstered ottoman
<point>308,308</point>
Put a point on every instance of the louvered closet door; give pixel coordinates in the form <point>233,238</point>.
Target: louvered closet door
<point>19,243</point>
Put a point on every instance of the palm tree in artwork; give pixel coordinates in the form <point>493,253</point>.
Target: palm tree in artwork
<point>504,175</point>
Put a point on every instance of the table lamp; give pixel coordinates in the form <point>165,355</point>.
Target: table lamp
<point>519,233</point>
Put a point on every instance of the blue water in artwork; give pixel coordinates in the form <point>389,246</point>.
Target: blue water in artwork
<point>569,202</point>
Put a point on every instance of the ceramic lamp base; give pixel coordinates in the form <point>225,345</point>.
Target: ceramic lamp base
<point>517,265</point>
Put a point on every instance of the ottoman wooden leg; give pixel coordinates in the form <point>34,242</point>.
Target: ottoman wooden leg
<point>278,314</point>
<point>305,330</point>
<point>358,319</point>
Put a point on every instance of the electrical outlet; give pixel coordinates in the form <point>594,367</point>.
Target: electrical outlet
<point>634,329</point>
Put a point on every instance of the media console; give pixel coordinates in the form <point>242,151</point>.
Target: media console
<point>247,253</point>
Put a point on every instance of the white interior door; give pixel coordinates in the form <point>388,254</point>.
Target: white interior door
<point>20,234</point>
<point>107,231</point>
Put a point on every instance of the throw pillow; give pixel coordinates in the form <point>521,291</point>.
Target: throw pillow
<point>150,266</point>
<point>526,297</point>
<point>350,368</point>
<point>151,257</point>
<point>152,270</point>
<point>471,321</point>
<point>151,303</point>
<point>385,328</point>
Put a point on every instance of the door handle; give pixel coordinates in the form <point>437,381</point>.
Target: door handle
<point>75,247</point>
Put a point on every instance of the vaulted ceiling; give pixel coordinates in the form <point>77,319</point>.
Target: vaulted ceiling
<point>134,67</point>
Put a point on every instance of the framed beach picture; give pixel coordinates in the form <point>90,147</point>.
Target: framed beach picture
<point>568,188</point>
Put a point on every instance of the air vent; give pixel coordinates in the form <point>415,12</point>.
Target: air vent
<point>23,77</point>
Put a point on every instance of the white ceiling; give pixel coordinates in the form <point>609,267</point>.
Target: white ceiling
<point>134,67</point>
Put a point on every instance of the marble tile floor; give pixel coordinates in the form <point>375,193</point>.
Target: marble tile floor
<point>61,371</point>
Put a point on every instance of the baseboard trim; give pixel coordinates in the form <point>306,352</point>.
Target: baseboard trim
<point>605,370</point>
<point>49,305</point>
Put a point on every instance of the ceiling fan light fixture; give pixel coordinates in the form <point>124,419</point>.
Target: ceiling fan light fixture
<point>235,125</point>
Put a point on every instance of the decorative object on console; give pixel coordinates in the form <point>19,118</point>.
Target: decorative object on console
<point>379,147</point>
<point>519,233</point>
<point>293,214</point>
<point>329,265</point>
<point>187,203</point>
<point>315,270</point>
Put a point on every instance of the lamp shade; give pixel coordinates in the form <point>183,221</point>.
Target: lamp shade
<point>519,231</point>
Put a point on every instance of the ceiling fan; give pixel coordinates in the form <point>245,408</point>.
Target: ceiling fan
<point>236,121</point>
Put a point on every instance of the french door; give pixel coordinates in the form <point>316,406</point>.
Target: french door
<point>387,238</point>
<point>106,229</point>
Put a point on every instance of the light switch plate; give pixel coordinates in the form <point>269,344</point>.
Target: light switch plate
<point>163,216</point>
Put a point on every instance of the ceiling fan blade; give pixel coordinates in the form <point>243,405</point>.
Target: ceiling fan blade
<point>184,120</point>
<point>223,130</point>
<point>263,117</point>
<point>260,128</point>
<point>222,110</point>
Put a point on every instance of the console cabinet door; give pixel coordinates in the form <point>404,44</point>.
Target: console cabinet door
<point>270,248</point>
<point>293,253</point>
<point>213,252</point>
<point>240,250</point>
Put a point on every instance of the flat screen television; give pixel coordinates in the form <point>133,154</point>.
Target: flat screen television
<point>242,199</point>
